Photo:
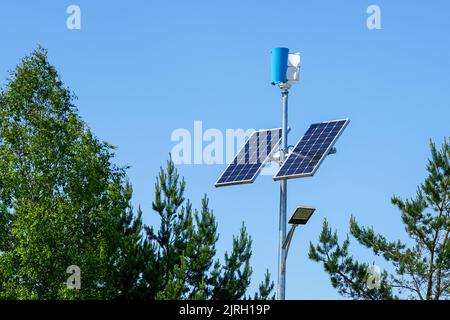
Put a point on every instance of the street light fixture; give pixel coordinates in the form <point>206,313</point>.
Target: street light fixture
<point>300,216</point>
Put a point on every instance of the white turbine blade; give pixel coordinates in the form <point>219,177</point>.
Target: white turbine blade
<point>292,74</point>
<point>294,59</point>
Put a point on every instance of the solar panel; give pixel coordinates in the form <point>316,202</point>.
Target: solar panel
<point>247,164</point>
<point>312,148</point>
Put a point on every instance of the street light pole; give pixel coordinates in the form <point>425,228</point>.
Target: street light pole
<point>281,288</point>
<point>285,72</point>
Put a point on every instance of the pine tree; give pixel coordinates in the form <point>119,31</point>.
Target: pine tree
<point>128,253</point>
<point>422,270</point>
<point>265,289</point>
<point>185,265</point>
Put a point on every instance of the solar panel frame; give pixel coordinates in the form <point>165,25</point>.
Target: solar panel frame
<point>261,165</point>
<point>319,161</point>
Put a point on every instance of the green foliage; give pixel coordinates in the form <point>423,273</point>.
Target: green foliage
<point>61,199</point>
<point>347,275</point>
<point>63,202</point>
<point>422,270</point>
<point>185,249</point>
<point>265,289</point>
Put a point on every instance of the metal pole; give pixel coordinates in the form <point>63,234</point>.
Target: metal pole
<point>281,288</point>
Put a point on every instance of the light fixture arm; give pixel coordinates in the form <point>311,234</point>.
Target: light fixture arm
<point>287,241</point>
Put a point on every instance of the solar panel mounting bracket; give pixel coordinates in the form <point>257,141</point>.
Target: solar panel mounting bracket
<point>276,155</point>
<point>333,150</point>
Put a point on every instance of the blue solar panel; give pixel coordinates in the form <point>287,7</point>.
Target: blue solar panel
<point>247,164</point>
<point>312,148</point>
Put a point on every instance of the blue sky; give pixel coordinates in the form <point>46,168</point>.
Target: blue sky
<point>142,69</point>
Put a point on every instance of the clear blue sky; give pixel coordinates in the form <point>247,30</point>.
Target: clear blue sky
<point>142,69</point>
